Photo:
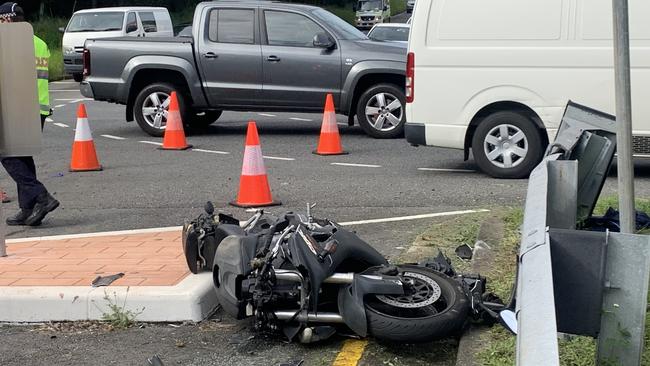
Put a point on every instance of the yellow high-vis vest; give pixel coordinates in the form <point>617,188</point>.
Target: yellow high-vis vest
<point>42,54</point>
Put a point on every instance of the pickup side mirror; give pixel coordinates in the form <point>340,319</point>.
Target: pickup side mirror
<point>132,27</point>
<point>61,30</point>
<point>323,40</point>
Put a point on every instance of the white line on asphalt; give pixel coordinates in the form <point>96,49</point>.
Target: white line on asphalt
<point>301,119</point>
<point>359,165</point>
<point>447,170</point>
<point>266,114</point>
<point>212,151</point>
<point>60,124</point>
<point>77,100</point>
<point>48,119</point>
<point>341,124</point>
<point>71,99</point>
<point>63,82</point>
<point>63,90</point>
<point>113,137</point>
<point>179,228</point>
<point>413,217</point>
<point>277,158</point>
<point>151,143</point>
<point>59,106</point>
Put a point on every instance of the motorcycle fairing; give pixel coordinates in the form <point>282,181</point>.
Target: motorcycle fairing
<point>232,265</point>
<point>350,300</point>
<point>304,255</point>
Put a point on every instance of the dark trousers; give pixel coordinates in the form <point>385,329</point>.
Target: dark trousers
<point>23,171</point>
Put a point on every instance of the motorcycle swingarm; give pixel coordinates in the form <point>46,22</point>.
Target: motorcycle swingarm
<point>351,304</point>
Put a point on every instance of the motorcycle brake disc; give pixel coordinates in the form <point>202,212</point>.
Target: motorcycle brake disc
<point>426,292</point>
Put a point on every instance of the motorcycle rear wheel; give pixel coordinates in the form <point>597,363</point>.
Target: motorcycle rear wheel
<point>437,308</point>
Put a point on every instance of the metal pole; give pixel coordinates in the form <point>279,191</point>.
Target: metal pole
<point>3,247</point>
<point>623,116</point>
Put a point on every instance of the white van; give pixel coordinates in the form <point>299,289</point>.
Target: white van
<point>110,22</point>
<point>495,75</point>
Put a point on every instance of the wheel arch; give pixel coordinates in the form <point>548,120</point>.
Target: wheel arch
<point>499,106</point>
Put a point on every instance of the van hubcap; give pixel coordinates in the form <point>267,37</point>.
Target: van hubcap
<point>506,146</point>
<point>155,110</point>
<point>384,112</point>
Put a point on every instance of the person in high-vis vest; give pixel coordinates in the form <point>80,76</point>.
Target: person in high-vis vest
<point>33,198</point>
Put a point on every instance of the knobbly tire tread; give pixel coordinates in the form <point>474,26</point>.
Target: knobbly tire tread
<point>418,330</point>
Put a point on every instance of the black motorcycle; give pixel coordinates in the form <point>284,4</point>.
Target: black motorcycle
<point>310,277</point>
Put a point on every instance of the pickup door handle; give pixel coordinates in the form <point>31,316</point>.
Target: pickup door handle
<point>210,55</point>
<point>273,59</point>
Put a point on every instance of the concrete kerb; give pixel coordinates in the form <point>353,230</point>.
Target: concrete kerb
<point>191,300</point>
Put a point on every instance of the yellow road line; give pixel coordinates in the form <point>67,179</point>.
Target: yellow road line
<point>351,352</point>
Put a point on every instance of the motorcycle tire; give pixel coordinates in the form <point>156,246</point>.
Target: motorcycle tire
<point>400,319</point>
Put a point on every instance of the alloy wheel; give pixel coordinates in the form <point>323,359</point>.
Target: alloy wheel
<point>384,112</point>
<point>155,109</point>
<point>505,146</point>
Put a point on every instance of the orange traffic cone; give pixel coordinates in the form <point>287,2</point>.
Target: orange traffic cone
<point>174,134</point>
<point>330,140</point>
<point>254,188</point>
<point>84,156</point>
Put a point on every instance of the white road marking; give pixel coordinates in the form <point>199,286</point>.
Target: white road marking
<point>59,106</point>
<point>358,165</point>
<point>72,99</point>
<point>113,137</point>
<point>60,124</point>
<point>64,90</point>
<point>413,217</point>
<point>342,124</point>
<point>77,100</point>
<point>447,170</point>
<point>212,151</point>
<point>63,82</point>
<point>266,114</point>
<point>277,158</point>
<point>301,119</point>
<point>151,143</point>
<point>179,228</point>
<point>48,119</point>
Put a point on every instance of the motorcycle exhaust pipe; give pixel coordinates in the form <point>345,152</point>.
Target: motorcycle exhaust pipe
<point>309,317</point>
<point>336,278</point>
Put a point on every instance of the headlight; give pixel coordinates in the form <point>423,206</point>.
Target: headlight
<point>68,50</point>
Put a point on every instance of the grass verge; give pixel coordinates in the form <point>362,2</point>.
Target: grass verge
<point>499,346</point>
<point>47,29</point>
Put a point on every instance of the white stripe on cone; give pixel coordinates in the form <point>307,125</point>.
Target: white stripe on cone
<point>253,161</point>
<point>82,132</point>
<point>329,123</point>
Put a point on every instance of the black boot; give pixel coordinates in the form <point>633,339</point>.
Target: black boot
<point>19,218</point>
<point>45,204</point>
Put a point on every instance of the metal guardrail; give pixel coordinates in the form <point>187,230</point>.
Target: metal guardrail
<point>571,281</point>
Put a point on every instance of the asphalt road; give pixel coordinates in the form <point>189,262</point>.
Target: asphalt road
<point>142,187</point>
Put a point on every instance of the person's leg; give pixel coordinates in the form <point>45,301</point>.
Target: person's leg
<point>23,172</point>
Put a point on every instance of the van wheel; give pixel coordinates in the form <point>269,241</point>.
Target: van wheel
<point>381,111</point>
<point>507,145</point>
<point>151,106</point>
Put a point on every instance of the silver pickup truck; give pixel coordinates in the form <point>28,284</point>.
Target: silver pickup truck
<point>252,56</point>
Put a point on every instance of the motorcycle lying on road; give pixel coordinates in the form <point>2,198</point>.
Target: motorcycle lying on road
<point>309,277</point>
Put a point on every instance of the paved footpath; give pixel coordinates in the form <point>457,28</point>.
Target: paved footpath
<point>56,273</point>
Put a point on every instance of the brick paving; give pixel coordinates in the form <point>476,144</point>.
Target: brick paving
<point>152,259</point>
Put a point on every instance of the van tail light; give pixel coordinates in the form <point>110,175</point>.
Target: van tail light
<point>86,61</point>
<point>410,77</point>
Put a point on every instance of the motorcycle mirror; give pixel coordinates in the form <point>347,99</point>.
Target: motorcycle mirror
<point>508,320</point>
<point>209,208</point>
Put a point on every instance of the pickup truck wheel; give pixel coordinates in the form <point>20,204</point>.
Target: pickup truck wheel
<point>381,111</point>
<point>507,145</point>
<point>151,105</point>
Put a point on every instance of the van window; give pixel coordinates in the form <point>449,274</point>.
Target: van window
<point>148,22</point>
<point>595,19</point>
<point>96,22</point>
<point>232,26</point>
<point>499,20</point>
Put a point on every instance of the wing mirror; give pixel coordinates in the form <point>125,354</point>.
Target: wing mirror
<point>323,40</point>
<point>508,319</point>
<point>130,28</point>
<point>61,30</point>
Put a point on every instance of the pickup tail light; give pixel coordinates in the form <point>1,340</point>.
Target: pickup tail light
<point>410,77</point>
<point>86,62</point>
